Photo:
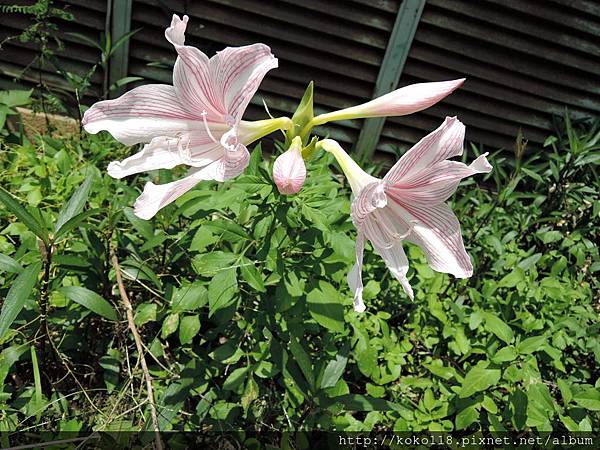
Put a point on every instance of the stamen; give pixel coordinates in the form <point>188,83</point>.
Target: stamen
<point>204,114</point>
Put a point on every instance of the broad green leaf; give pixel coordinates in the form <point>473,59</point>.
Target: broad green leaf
<point>235,379</point>
<point>251,275</point>
<point>333,371</point>
<point>23,215</point>
<point>188,328</point>
<point>565,391</point>
<point>17,295</point>
<point>222,290</point>
<point>144,313</point>
<point>497,326</point>
<point>169,325</point>
<point>531,344</point>
<point>513,278</point>
<point>478,379</point>
<point>466,417</point>
<point>8,264</point>
<point>189,297</point>
<point>588,398</point>
<point>227,230</point>
<point>144,227</point>
<point>505,354</point>
<point>90,300</point>
<point>324,305</point>
<point>75,204</point>
<point>15,97</point>
<point>209,264</point>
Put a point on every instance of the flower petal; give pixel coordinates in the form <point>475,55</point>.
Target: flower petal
<point>236,74</point>
<point>395,260</point>
<point>437,183</point>
<point>166,153</point>
<point>289,170</point>
<point>403,101</point>
<point>436,230</point>
<point>443,143</point>
<point>156,197</point>
<point>191,76</point>
<point>223,85</point>
<point>140,115</point>
<point>355,274</point>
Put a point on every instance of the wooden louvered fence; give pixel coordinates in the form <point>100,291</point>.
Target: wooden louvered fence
<point>524,60</point>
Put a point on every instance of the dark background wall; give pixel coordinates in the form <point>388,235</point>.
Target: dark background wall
<point>524,60</point>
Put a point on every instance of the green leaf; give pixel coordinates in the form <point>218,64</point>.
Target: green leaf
<point>235,379</point>
<point>8,264</point>
<point>478,379</point>
<point>222,290</point>
<point>251,275</point>
<point>72,223</point>
<point>209,264</point>
<point>75,204</point>
<point>227,230</point>
<point>17,295</point>
<point>144,313</point>
<point>144,227</point>
<point>38,403</point>
<point>169,325</point>
<point>497,326</point>
<point>466,417</point>
<point>505,354</point>
<point>513,278</point>
<point>15,97</point>
<point>324,305</point>
<point>334,371</point>
<point>188,328</point>
<point>25,217</point>
<point>189,297</point>
<point>303,360</point>
<point>588,398</point>
<point>356,402</point>
<point>565,391</point>
<point>531,344</point>
<point>90,300</point>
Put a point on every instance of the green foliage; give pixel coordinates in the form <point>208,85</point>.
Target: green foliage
<point>240,296</point>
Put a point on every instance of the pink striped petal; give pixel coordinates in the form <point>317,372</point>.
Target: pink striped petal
<point>140,115</point>
<point>166,153</point>
<point>395,260</point>
<point>221,86</point>
<point>236,74</point>
<point>289,170</point>
<point>435,229</point>
<point>437,183</point>
<point>441,144</point>
<point>156,197</point>
<point>403,101</point>
<point>355,275</point>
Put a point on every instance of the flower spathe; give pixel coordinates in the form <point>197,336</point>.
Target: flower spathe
<point>196,122</point>
<point>409,204</point>
<point>289,170</point>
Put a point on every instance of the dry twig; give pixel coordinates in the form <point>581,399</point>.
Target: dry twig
<point>140,349</point>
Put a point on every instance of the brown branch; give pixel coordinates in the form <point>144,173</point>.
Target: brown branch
<point>140,349</point>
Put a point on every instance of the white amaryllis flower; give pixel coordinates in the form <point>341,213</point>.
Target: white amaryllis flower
<point>196,122</point>
<point>289,170</point>
<point>409,204</point>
